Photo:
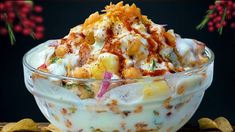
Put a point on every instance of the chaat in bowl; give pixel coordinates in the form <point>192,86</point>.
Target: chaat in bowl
<point>119,71</point>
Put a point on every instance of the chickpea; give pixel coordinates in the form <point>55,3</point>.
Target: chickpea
<point>132,73</point>
<point>90,38</point>
<point>97,71</point>
<point>137,50</point>
<point>134,47</point>
<point>110,62</point>
<point>61,50</point>
<point>80,72</point>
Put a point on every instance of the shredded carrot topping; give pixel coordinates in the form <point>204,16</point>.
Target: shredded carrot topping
<point>125,13</point>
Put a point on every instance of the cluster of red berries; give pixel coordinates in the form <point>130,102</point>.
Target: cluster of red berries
<point>221,15</point>
<point>22,17</point>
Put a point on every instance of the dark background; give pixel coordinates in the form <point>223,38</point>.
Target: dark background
<point>183,16</point>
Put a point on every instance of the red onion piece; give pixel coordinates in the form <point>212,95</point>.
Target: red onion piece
<point>43,66</point>
<point>53,44</point>
<point>105,84</point>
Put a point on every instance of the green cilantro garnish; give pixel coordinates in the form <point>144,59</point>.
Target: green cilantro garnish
<point>71,85</point>
<point>154,65</point>
<point>54,59</point>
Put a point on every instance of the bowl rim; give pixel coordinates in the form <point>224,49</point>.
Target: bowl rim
<point>208,52</point>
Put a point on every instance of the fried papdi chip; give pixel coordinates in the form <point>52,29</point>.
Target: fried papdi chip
<point>206,123</point>
<point>7,127</point>
<point>223,124</point>
<point>22,125</point>
<point>219,123</point>
<point>50,128</point>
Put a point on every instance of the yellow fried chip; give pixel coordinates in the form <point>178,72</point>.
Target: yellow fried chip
<point>51,128</point>
<point>22,125</point>
<point>223,124</point>
<point>7,127</point>
<point>206,123</point>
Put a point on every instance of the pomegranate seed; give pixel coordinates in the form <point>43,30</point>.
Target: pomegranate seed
<point>22,15</point>
<point>233,5</point>
<point>211,29</point>
<point>26,31</point>
<point>218,25</point>
<point>32,17</point>
<point>224,23</point>
<point>232,25</point>
<point>228,12</point>
<point>222,3</point>
<point>25,10</point>
<point>217,3</point>
<point>233,14</point>
<point>20,2</point>
<point>221,12</point>
<point>211,16</point>
<point>8,4</point>
<point>17,28</point>
<point>38,19</point>
<point>39,35</point>
<point>218,18</point>
<point>3,31</point>
<point>230,3</point>
<point>1,17</point>
<point>38,9</point>
<point>229,17</point>
<point>219,8</point>
<point>32,24</point>
<point>210,23</point>
<point>9,8</point>
<point>39,28</point>
<point>215,20</point>
<point>1,7</point>
<point>10,20</point>
<point>26,22</point>
<point>29,5</point>
<point>11,15</point>
<point>211,7</point>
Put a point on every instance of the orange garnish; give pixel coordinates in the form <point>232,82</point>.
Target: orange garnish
<point>125,13</point>
<point>92,19</point>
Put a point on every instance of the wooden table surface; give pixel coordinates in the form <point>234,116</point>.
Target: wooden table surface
<point>186,128</point>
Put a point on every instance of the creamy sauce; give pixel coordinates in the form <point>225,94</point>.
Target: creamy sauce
<point>40,57</point>
<point>96,48</point>
<point>57,69</point>
<point>71,59</point>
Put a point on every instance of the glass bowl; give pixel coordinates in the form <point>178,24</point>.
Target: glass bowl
<point>162,103</point>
